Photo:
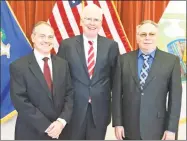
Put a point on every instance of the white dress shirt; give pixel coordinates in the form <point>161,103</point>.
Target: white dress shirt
<point>87,46</point>
<point>39,58</point>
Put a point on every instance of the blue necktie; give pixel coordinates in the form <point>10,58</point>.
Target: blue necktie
<point>144,71</point>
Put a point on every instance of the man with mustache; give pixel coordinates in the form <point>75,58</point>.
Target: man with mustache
<point>143,80</point>
<point>92,60</point>
<point>41,89</point>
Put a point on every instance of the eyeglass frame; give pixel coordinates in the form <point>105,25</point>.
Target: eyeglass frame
<point>95,20</point>
<point>144,34</point>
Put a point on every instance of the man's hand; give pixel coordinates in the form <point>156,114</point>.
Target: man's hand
<point>55,129</point>
<point>119,132</point>
<point>168,135</point>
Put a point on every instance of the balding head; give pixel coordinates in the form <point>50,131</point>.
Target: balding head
<point>91,20</point>
<point>92,9</point>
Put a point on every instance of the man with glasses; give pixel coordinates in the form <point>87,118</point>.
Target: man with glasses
<point>92,60</point>
<point>143,80</point>
<point>41,89</point>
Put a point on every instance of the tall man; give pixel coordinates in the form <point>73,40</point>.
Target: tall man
<point>92,60</point>
<point>41,89</point>
<point>143,80</point>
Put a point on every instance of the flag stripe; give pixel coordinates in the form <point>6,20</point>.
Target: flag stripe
<point>64,18</point>
<point>105,25</point>
<point>112,27</point>
<point>56,44</point>
<point>76,12</point>
<point>59,22</point>
<point>55,27</point>
<point>117,24</point>
<point>71,18</point>
<point>121,25</point>
<point>68,22</point>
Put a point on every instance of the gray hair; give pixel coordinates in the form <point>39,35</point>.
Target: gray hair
<point>145,22</point>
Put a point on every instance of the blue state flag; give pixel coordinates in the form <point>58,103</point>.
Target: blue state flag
<point>14,45</point>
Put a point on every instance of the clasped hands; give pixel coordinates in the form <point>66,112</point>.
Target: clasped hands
<point>54,129</point>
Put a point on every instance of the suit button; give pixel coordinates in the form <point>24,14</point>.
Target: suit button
<point>142,93</point>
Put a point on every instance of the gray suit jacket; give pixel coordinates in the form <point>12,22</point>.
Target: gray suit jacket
<point>99,87</point>
<point>37,108</point>
<point>144,113</point>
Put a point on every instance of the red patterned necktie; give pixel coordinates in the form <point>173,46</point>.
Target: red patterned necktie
<point>47,73</point>
<point>91,61</point>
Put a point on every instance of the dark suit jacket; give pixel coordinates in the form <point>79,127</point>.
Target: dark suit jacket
<point>37,108</point>
<point>144,113</point>
<point>99,87</point>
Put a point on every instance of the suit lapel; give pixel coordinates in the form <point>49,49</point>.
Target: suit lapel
<point>55,73</point>
<point>80,50</point>
<point>154,67</point>
<point>35,69</point>
<point>134,67</point>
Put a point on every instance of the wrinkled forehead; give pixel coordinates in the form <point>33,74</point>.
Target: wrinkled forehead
<point>147,28</point>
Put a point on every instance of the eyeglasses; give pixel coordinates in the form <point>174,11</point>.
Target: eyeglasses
<point>151,34</point>
<point>95,20</point>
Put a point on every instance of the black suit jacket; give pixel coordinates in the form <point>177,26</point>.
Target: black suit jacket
<point>37,108</point>
<point>144,113</point>
<point>99,87</point>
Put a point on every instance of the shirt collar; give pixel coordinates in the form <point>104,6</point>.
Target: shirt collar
<point>152,54</point>
<point>86,39</point>
<point>40,56</point>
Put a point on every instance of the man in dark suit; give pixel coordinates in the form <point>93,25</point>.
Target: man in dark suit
<point>92,60</point>
<point>41,89</point>
<point>143,80</point>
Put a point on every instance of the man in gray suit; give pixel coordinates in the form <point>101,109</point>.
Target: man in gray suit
<point>41,89</point>
<point>143,80</point>
<point>92,60</point>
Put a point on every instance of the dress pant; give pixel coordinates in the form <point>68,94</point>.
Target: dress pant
<point>87,131</point>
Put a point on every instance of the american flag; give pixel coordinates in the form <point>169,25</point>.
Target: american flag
<point>65,19</point>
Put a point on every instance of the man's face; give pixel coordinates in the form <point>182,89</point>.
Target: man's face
<point>147,37</point>
<point>43,38</point>
<point>91,23</point>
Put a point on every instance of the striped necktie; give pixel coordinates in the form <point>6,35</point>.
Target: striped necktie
<point>91,61</point>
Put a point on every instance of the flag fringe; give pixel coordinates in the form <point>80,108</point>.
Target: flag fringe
<point>182,121</point>
<point>8,117</point>
<point>121,24</point>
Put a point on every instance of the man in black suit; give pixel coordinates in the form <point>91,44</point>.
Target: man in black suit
<point>143,80</point>
<point>92,60</point>
<point>41,89</point>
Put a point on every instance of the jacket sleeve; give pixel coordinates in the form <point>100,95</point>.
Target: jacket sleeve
<point>117,97</point>
<point>175,94</point>
<point>68,106</point>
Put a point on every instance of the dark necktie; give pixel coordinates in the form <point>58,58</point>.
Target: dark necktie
<point>47,74</point>
<point>144,71</point>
